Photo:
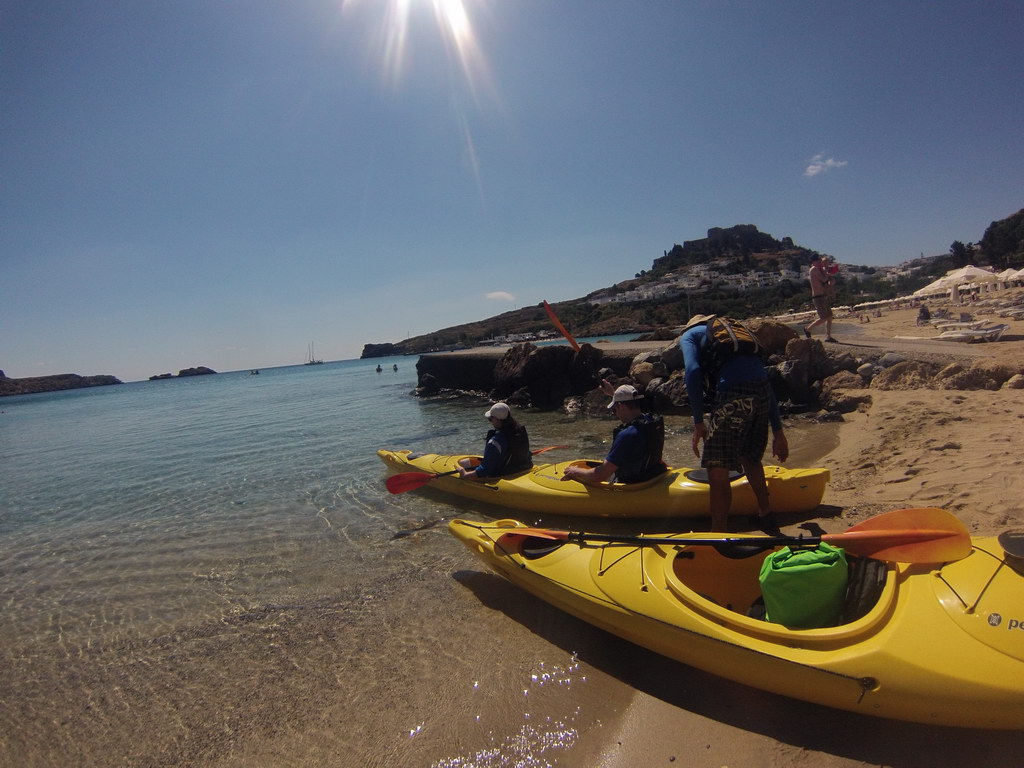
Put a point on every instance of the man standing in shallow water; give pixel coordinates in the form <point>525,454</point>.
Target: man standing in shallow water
<point>821,285</point>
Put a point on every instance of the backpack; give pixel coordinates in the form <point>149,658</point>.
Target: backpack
<point>726,338</point>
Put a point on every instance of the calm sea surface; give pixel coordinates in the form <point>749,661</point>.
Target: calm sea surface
<point>209,571</point>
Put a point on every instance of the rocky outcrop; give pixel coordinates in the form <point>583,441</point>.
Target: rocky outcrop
<point>380,350</point>
<point>805,375</point>
<point>201,370</point>
<point>61,381</point>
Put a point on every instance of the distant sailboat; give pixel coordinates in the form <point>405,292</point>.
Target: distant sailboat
<point>312,357</point>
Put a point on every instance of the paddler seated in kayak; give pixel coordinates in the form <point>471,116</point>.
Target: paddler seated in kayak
<point>635,455</point>
<point>506,451</point>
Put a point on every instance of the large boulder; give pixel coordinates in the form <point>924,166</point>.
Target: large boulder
<point>668,395</point>
<point>543,377</point>
<point>847,402</point>
<point>1015,382</point>
<point>585,367</point>
<point>839,381</point>
<point>836,394</point>
<point>644,373</point>
<point>546,372</point>
<point>956,376</point>
<point>672,356</point>
<point>998,371</point>
<point>509,371</point>
<point>813,357</point>
<point>773,335</point>
<point>910,374</point>
<point>791,382</point>
<point>428,384</point>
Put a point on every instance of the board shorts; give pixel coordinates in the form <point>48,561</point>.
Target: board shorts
<point>738,427</point>
<point>821,307</point>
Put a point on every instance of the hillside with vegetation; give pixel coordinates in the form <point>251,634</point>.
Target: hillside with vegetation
<point>732,251</point>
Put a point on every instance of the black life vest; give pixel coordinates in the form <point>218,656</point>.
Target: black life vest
<point>518,456</point>
<point>651,428</point>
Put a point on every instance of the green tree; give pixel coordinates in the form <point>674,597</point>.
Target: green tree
<point>961,253</point>
<point>1003,241</point>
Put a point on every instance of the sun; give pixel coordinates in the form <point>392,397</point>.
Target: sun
<point>399,19</point>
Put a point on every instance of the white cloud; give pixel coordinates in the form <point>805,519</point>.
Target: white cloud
<point>818,164</point>
<point>501,296</point>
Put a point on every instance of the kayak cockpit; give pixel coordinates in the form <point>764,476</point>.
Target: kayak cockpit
<point>728,590</point>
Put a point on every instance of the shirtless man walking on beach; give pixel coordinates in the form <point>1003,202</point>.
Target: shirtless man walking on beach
<point>821,284</point>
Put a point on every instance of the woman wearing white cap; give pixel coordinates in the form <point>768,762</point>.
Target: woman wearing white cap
<point>506,451</point>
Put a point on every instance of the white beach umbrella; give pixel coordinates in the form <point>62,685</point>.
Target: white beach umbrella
<point>957,277</point>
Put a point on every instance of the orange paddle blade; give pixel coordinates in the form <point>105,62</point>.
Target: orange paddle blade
<point>407,481</point>
<point>545,450</point>
<point>558,324</point>
<point>915,535</point>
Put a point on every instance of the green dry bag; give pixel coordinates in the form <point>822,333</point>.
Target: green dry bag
<point>804,588</point>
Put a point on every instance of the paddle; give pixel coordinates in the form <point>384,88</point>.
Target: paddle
<point>917,535</point>
<point>410,481</point>
<point>558,324</point>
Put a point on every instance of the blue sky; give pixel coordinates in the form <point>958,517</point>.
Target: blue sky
<point>220,182</point>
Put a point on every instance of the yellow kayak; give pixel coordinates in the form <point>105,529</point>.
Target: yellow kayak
<point>680,492</point>
<point>940,644</point>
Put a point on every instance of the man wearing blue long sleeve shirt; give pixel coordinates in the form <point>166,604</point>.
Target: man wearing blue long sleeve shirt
<point>744,406</point>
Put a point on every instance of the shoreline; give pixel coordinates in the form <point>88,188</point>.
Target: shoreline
<point>897,453</point>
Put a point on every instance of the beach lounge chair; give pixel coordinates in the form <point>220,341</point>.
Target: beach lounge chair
<point>959,325</point>
<point>993,333</point>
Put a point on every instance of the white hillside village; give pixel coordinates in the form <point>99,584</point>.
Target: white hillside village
<point>695,279</point>
<point>701,277</point>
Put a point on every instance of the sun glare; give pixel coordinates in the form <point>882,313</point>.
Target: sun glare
<point>404,23</point>
<point>451,21</point>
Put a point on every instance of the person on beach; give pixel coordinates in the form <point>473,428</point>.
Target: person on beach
<point>506,450</point>
<point>735,438</point>
<point>821,296</point>
<point>637,445</point>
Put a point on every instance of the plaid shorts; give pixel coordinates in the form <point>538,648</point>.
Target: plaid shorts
<point>738,427</point>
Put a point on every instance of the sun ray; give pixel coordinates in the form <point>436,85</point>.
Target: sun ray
<point>453,24</point>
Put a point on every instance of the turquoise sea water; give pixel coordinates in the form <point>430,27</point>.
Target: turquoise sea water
<point>201,570</point>
<point>209,571</point>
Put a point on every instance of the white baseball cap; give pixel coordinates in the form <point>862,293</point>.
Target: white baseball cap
<point>626,393</point>
<point>497,411</point>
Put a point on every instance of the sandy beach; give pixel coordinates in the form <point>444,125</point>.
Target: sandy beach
<point>309,618</point>
<point>959,450</point>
